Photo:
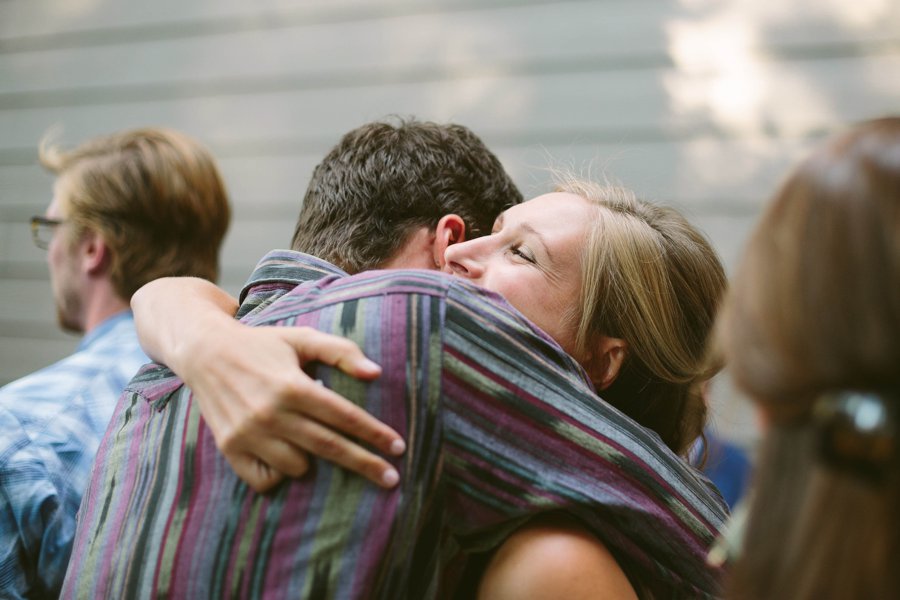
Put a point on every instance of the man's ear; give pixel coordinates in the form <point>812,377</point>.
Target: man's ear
<point>451,229</point>
<point>95,255</point>
<point>605,363</point>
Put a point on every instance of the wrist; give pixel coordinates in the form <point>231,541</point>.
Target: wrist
<point>190,345</point>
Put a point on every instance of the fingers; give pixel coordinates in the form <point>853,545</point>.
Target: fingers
<point>280,456</point>
<point>326,406</point>
<point>333,410</point>
<point>339,352</point>
<point>265,462</point>
<point>270,462</point>
<point>333,447</point>
<point>265,420</point>
<point>271,458</point>
<point>255,473</point>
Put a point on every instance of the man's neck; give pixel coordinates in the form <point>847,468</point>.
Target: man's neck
<point>416,253</point>
<point>100,305</point>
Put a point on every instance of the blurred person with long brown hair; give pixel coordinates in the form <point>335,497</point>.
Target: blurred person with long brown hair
<point>811,332</point>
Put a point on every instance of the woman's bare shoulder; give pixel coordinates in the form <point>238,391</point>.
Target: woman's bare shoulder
<point>553,557</point>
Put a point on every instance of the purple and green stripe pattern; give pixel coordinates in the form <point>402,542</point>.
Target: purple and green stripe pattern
<point>501,425</point>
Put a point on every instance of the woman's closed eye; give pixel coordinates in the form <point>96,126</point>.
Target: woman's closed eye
<point>523,253</point>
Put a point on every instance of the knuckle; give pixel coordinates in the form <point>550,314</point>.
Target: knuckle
<point>327,445</point>
<point>351,418</point>
<point>299,467</point>
<point>297,387</point>
<point>344,345</point>
<point>306,331</point>
<point>266,415</point>
<point>228,441</point>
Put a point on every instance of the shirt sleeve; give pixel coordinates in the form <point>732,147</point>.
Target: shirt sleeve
<point>524,434</point>
<point>36,525</point>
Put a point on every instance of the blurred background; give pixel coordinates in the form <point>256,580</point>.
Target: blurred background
<point>700,104</point>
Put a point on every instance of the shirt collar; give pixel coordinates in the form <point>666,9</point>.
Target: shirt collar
<point>103,328</point>
<point>290,268</point>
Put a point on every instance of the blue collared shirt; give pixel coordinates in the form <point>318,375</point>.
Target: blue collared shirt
<point>51,423</point>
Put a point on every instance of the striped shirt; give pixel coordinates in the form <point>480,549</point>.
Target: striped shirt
<point>51,423</point>
<point>501,425</point>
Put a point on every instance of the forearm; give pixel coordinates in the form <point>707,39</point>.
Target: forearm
<point>263,410</point>
<point>175,314</point>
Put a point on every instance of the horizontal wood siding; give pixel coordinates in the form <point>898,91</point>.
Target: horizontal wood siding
<point>705,107</point>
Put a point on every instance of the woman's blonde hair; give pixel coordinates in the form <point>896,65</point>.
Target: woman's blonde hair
<point>815,309</point>
<point>652,279</point>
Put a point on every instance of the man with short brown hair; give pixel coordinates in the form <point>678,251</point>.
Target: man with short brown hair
<point>502,425</point>
<point>127,208</point>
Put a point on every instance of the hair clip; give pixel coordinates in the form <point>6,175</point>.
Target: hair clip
<point>857,432</point>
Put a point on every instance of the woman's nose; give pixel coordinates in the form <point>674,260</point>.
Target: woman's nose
<point>461,261</point>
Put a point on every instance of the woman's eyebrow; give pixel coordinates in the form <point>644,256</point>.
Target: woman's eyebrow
<point>527,228</point>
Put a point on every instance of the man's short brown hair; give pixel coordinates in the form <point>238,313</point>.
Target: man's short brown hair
<point>156,198</point>
<point>386,179</point>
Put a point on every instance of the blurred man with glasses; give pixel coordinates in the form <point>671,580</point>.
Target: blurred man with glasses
<point>127,208</point>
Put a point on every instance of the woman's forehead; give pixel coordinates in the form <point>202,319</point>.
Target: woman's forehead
<point>544,206</point>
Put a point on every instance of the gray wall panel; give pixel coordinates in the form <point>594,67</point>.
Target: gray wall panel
<point>702,106</point>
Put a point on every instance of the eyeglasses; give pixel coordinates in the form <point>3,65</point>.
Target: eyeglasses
<point>42,230</point>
